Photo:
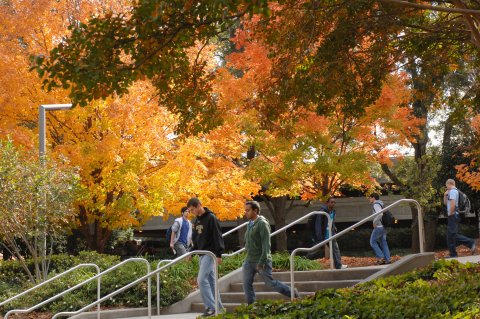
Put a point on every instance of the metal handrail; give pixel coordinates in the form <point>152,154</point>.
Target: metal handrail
<point>147,276</point>
<point>363,221</point>
<point>288,226</point>
<point>236,228</point>
<point>54,278</point>
<point>98,276</point>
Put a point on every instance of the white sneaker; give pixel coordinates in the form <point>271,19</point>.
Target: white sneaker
<point>344,266</point>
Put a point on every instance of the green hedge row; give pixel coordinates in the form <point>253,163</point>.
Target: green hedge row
<point>444,290</point>
<point>176,282</point>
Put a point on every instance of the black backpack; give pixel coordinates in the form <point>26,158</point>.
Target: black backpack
<point>387,217</point>
<point>463,203</point>
<point>168,234</point>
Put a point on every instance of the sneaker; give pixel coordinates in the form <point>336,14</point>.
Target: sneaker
<point>380,261</point>
<point>295,293</point>
<point>208,313</point>
<point>387,262</point>
<point>472,250</point>
<point>344,267</point>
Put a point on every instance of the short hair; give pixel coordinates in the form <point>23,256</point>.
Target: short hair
<point>194,201</point>
<point>254,204</point>
<point>450,181</point>
<point>375,195</point>
<point>184,209</point>
<point>330,198</point>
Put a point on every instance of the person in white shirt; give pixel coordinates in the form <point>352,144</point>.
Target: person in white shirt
<point>181,238</point>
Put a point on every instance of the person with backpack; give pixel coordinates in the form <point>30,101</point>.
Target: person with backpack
<point>207,235</point>
<point>454,239</point>
<point>181,234</point>
<point>321,231</point>
<point>378,239</point>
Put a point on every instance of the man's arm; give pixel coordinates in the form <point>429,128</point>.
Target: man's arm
<point>217,239</point>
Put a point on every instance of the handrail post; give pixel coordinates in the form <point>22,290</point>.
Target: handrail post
<point>292,255</point>
<point>158,284</point>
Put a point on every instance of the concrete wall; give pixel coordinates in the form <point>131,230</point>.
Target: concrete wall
<point>348,210</point>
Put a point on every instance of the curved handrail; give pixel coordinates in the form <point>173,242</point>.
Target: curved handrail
<point>234,229</point>
<point>288,226</point>
<point>54,278</point>
<point>363,221</point>
<point>147,276</point>
<point>98,276</point>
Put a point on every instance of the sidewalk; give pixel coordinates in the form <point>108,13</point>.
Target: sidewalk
<point>175,316</point>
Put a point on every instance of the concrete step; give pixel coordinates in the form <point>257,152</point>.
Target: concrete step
<point>310,286</point>
<point>239,297</point>
<point>327,275</point>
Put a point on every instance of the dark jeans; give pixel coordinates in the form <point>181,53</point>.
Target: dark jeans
<point>455,239</point>
<point>319,253</point>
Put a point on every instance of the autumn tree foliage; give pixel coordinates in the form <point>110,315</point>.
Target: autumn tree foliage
<point>470,172</point>
<point>132,162</point>
<point>300,152</point>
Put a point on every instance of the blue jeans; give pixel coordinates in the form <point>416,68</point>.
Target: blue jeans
<point>206,283</point>
<point>250,269</point>
<point>378,241</point>
<point>455,239</point>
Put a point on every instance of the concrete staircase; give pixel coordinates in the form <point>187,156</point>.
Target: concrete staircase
<point>307,283</point>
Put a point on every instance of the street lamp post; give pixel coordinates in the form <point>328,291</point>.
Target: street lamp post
<point>42,149</point>
<point>42,135</point>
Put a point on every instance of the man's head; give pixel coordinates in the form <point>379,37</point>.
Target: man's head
<point>373,197</point>
<point>185,211</point>
<point>450,183</point>
<point>331,202</point>
<point>252,209</point>
<point>195,206</point>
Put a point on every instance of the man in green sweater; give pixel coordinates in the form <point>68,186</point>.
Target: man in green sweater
<point>259,258</point>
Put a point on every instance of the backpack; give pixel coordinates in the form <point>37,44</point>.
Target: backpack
<point>463,203</point>
<point>168,234</point>
<point>387,218</point>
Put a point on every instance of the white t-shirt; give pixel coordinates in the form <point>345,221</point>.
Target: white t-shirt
<point>452,194</point>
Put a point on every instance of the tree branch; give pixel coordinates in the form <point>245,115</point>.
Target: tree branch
<point>430,7</point>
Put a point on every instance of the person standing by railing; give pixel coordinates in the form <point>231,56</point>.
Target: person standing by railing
<point>259,257</point>
<point>207,235</point>
<point>321,231</point>
<point>378,239</point>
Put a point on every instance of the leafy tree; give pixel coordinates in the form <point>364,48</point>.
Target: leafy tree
<point>36,205</point>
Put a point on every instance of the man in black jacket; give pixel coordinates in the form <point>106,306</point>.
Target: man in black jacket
<point>321,231</point>
<point>207,235</point>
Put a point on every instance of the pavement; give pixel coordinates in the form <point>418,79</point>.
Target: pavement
<point>175,316</point>
<point>471,259</point>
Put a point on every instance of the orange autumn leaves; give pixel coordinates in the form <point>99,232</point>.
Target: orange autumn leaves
<point>470,173</point>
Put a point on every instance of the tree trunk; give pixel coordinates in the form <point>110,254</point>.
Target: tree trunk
<point>241,232</point>
<point>277,207</point>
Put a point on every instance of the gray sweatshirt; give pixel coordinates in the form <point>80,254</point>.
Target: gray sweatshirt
<point>377,206</point>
